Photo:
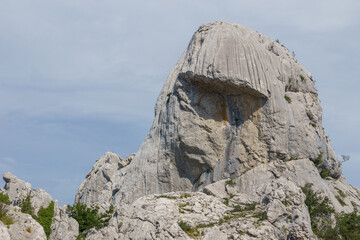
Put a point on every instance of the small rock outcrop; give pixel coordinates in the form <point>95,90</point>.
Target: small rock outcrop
<point>18,190</point>
<point>99,182</point>
<point>15,188</point>
<point>25,227</point>
<point>63,226</point>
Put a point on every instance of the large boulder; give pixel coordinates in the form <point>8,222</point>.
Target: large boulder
<point>98,184</point>
<point>18,190</point>
<point>235,99</point>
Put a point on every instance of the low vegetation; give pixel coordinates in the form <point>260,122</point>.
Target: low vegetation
<point>44,216</point>
<point>4,216</point>
<point>327,224</point>
<point>324,173</point>
<point>4,198</point>
<point>89,217</point>
<point>230,182</point>
<point>287,98</point>
<point>165,196</point>
<point>318,160</point>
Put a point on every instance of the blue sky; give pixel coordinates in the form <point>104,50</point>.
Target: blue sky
<point>80,78</point>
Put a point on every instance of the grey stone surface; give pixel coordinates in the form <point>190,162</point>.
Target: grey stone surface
<point>98,184</point>
<point>221,112</point>
<point>16,189</point>
<point>4,234</point>
<point>25,227</point>
<point>63,226</point>
<point>39,199</point>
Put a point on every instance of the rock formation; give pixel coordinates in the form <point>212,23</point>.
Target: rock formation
<point>24,225</point>
<point>237,136</point>
<point>235,99</point>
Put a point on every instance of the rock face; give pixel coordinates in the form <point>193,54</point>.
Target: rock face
<point>235,99</point>
<point>98,184</point>
<point>25,227</point>
<point>18,190</point>
<point>63,226</point>
<point>4,234</point>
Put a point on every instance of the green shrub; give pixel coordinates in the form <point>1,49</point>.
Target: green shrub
<point>340,200</point>
<point>261,216</point>
<point>324,173</point>
<point>26,206</point>
<point>287,98</point>
<point>184,226</point>
<point>347,225</point>
<point>4,217</point>
<point>44,217</point>
<point>319,208</point>
<point>165,196</point>
<point>318,160</point>
<point>226,201</point>
<point>4,198</point>
<point>341,193</point>
<point>230,182</point>
<point>89,217</point>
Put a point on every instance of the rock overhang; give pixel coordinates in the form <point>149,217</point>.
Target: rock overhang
<point>233,55</point>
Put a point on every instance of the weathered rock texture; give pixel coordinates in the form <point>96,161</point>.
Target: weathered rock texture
<point>18,190</point>
<point>98,185</point>
<point>222,112</point>
<point>63,226</point>
<point>25,226</point>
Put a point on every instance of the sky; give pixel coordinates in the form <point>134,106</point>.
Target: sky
<point>80,78</point>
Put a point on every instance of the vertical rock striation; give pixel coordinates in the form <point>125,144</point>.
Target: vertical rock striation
<point>235,99</point>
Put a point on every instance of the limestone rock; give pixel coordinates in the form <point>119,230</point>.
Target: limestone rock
<point>63,226</point>
<point>25,227</point>
<point>235,99</point>
<point>4,234</point>
<point>98,184</point>
<point>16,189</point>
<point>39,199</point>
<point>161,217</point>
